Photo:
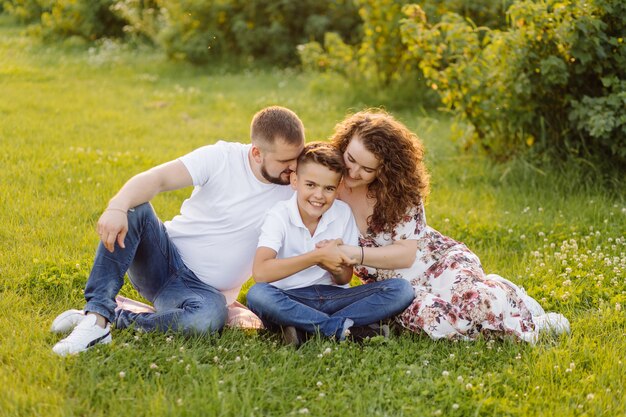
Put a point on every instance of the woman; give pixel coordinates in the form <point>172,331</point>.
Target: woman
<point>385,185</point>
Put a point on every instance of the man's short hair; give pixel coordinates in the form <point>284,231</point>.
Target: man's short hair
<point>324,154</point>
<point>274,123</point>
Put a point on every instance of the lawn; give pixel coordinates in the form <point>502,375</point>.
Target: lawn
<point>75,123</point>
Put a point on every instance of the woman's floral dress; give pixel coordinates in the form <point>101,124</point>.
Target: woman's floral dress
<point>454,299</point>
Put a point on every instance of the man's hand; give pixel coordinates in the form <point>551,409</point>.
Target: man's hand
<point>112,226</point>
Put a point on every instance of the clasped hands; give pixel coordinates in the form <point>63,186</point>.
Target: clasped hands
<point>333,259</point>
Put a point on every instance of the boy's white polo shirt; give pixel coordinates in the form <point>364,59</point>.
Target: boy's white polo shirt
<point>284,232</point>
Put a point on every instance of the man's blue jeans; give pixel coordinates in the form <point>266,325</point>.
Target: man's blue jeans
<point>155,268</point>
<point>325,308</point>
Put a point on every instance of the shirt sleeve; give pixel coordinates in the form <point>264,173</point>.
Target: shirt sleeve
<point>412,225</point>
<point>204,162</point>
<point>272,232</point>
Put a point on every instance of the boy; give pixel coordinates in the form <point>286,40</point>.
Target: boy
<point>292,289</point>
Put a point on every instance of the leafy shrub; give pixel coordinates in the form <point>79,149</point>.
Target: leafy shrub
<point>196,31</point>
<point>26,11</point>
<point>89,19</point>
<point>481,12</point>
<point>383,58</point>
<point>259,30</point>
<point>552,84</point>
<point>380,56</point>
<point>270,30</point>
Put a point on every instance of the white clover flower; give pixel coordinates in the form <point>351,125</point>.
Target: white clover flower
<point>154,366</point>
<point>237,359</point>
<point>455,406</point>
<point>179,401</point>
<point>319,383</point>
<point>590,396</point>
<point>459,378</point>
<point>303,411</point>
<point>327,351</point>
<point>469,386</point>
<point>122,374</point>
<point>445,373</point>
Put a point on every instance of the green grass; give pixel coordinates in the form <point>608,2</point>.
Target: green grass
<point>75,124</point>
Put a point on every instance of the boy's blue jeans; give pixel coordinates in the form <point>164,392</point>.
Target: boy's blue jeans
<point>325,308</point>
<point>155,268</point>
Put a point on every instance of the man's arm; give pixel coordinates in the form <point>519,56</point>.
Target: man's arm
<point>113,223</point>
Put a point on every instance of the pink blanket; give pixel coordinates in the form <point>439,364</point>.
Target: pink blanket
<point>238,314</point>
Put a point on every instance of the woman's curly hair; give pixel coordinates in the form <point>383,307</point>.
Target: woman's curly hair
<point>402,180</point>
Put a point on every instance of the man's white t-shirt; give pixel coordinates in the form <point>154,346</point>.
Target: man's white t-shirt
<point>217,230</point>
<point>284,232</point>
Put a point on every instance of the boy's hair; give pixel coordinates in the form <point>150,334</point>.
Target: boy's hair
<point>274,123</point>
<point>324,154</point>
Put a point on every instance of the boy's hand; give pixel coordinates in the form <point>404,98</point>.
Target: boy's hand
<point>332,258</point>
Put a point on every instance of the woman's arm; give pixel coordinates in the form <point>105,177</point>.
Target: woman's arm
<point>400,254</point>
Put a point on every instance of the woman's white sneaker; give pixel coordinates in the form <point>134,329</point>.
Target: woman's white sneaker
<point>552,323</point>
<point>67,320</point>
<point>85,335</point>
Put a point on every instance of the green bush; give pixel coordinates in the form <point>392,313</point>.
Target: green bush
<point>481,12</point>
<point>26,11</point>
<point>89,19</point>
<point>383,61</point>
<point>243,31</point>
<point>195,31</point>
<point>552,85</point>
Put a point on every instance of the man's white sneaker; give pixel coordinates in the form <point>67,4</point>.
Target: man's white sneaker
<point>67,320</point>
<point>85,335</point>
<point>552,323</point>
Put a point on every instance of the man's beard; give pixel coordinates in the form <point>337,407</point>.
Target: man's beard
<point>275,180</point>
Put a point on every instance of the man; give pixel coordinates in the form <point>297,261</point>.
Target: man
<point>193,266</point>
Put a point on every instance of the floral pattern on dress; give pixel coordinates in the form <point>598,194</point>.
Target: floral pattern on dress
<point>453,297</point>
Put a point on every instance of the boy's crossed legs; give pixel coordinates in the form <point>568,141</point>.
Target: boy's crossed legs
<point>330,309</point>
